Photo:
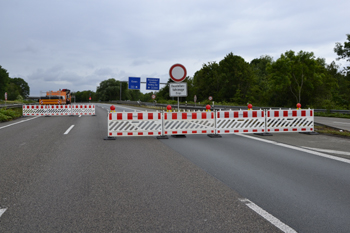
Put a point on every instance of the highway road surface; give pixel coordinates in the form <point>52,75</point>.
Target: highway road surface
<point>59,175</point>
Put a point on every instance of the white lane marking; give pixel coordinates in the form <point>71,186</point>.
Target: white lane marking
<point>69,129</point>
<point>19,122</point>
<point>328,151</point>
<point>341,122</point>
<point>275,221</point>
<point>79,115</point>
<point>299,148</point>
<point>2,211</point>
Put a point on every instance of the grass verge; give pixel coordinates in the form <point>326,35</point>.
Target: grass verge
<point>322,129</point>
<point>10,114</point>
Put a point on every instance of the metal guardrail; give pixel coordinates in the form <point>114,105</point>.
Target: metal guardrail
<point>11,106</point>
<point>189,106</point>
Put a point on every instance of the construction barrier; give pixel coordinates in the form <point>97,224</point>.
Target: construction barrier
<point>58,110</point>
<point>231,122</point>
<point>211,123</point>
<point>180,123</point>
<point>134,124</point>
<point>290,121</point>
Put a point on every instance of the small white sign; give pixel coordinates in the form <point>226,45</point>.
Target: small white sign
<point>178,89</point>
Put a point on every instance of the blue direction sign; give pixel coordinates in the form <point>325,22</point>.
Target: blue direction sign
<point>152,84</point>
<point>134,83</point>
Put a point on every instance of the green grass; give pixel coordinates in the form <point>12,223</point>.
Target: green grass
<point>339,115</point>
<point>331,131</point>
<point>10,114</point>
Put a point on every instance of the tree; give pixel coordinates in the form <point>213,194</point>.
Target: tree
<point>294,73</point>
<point>4,80</point>
<point>206,82</point>
<point>343,51</point>
<point>24,89</point>
<point>261,89</point>
<point>108,90</point>
<point>236,78</point>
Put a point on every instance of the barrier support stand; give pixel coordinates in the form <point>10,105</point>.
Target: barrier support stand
<point>215,135</point>
<point>162,136</point>
<point>109,138</point>
<point>264,133</point>
<point>310,133</point>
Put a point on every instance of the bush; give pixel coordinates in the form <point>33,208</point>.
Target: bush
<point>9,114</point>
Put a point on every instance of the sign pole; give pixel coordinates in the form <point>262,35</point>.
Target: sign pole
<point>178,104</point>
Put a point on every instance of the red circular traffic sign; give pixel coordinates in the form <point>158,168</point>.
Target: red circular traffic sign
<point>153,96</point>
<point>210,98</point>
<point>177,73</point>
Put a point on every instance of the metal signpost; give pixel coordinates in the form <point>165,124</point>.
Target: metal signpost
<point>178,73</point>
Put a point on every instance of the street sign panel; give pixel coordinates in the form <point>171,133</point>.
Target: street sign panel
<point>178,89</point>
<point>177,73</point>
<point>152,84</point>
<point>134,83</point>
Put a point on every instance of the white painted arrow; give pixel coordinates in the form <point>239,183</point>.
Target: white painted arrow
<point>2,211</point>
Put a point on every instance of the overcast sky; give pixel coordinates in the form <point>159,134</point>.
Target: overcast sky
<point>76,44</point>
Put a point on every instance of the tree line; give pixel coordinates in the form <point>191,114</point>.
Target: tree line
<point>295,77</point>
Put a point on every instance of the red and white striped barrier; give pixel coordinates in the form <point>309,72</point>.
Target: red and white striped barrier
<point>58,110</point>
<point>243,121</point>
<point>83,109</point>
<point>211,123</point>
<point>179,123</point>
<point>290,121</point>
<point>134,124</point>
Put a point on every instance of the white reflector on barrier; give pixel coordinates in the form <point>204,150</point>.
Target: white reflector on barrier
<point>178,123</point>
<point>134,124</point>
<point>242,121</point>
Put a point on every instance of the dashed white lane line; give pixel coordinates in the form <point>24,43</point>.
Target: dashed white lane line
<point>275,221</point>
<point>69,129</point>
<point>18,122</point>
<point>299,149</point>
<point>2,211</point>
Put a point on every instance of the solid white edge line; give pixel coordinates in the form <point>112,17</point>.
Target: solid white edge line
<point>273,220</point>
<point>2,211</point>
<point>69,129</point>
<point>328,151</point>
<point>18,122</point>
<point>299,149</point>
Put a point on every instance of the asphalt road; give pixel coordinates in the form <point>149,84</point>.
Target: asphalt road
<point>77,182</point>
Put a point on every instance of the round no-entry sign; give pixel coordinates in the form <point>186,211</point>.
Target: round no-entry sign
<point>177,73</point>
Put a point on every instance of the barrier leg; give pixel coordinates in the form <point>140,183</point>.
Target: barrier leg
<point>215,135</point>
<point>162,136</point>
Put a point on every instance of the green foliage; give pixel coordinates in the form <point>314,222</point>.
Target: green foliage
<point>9,114</point>
<point>343,52</point>
<point>4,79</point>
<point>298,78</point>
<point>83,96</point>
<point>22,86</point>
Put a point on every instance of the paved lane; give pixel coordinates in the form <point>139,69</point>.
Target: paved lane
<point>78,182</point>
<point>307,192</point>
